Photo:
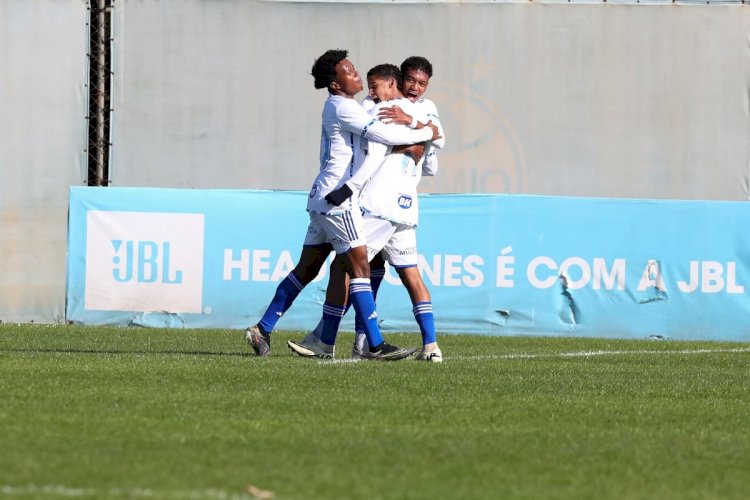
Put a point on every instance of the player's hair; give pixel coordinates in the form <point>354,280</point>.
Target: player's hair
<point>324,67</point>
<point>417,63</point>
<point>383,71</point>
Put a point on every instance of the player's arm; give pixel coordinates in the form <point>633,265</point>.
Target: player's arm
<point>431,114</point>
<point>416,151</point>
<point>394,114</point>
<point>356,120</point>
<point>376,153</point>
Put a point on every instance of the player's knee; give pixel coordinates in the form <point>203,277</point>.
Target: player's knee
<point>377,262</point>
<point>306,272</point>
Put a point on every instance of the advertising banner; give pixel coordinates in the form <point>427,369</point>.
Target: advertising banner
<point>494,264</point>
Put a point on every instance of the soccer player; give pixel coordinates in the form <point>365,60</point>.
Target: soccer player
<point>416,72</point>
<point>390,203</point>
<point>338,227</point>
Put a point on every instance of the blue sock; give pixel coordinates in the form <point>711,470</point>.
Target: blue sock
<point>360,295</point>
<point>426,321</point>
<point>331,320</point>
<point>286,292</point>
<point>376,278</point>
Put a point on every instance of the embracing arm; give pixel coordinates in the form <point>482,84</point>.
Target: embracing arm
<point>394,114</point>
<point>375,155</point>
<point>356,120</point>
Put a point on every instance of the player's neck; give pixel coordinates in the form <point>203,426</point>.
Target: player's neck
<point>341,94</point>
<point>396,95</point>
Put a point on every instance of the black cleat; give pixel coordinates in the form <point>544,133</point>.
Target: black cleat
<point>259,341</point>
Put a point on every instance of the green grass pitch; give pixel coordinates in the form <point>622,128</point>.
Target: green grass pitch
<point>90,412</point>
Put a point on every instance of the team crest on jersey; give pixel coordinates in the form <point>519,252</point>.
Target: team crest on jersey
<point>404,201</point>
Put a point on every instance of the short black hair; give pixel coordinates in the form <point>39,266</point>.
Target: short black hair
<point>417,63</point>
<point>385,71</point>
<point>324,67</point>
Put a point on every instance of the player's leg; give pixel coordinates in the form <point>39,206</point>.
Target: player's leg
<point>402,254</point>
<point>314,253</point>
<point>334,295</point>
<point>311,261</point>
<point>377,273</point>
<point>377,234</point>
<point>335,306</point>
<point>360,347</point>
<point>422,306</point>
<point>346,233</point>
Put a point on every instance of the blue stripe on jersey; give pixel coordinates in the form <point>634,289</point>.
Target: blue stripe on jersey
<point>325,148</point>
<point>364,130</point>
<point>351,162</point>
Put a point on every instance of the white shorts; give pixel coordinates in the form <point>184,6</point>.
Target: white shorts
<point>398,242</point>
<point>343,231</point>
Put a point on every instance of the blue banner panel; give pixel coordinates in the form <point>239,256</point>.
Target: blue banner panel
<point>495,264</point>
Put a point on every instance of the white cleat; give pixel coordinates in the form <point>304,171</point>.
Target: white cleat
<point>313,349</point>
<point>434,356</point>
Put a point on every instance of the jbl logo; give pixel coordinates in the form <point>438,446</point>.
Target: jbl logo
<point>144,262</point>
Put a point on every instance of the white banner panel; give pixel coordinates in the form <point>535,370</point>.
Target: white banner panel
<point>559,99</point>
<point>144,266</point>
<point>42,150</point>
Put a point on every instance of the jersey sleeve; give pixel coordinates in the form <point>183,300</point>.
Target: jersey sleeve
<point>376,153</point>
<point>431,114</point>
<point>430,163</point>
<point>358,121</point>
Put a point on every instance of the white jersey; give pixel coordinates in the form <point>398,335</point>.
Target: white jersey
<point>344,124</point>
<point>389,181</point>
<point>429,111</point>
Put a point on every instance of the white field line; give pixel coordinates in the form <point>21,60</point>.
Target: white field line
<point>591,354</point>
<point>575,354</point>
<point>69,492</point>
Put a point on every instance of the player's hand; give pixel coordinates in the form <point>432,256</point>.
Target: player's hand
<point>416,151</point>
<point>394,114</point>
<point>435,130</point>
<point>339,196</point>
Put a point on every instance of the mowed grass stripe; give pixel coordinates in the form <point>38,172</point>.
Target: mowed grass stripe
<point>190,413</point>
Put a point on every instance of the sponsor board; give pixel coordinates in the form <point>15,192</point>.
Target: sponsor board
<point>494,264</point>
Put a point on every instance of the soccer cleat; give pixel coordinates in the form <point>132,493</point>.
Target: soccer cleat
<point>315,348</point>
<point>392,353</point>
<point>434,356</point>
<point>309,337</point>
<point>358,353</point>
<point>259,341</point>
